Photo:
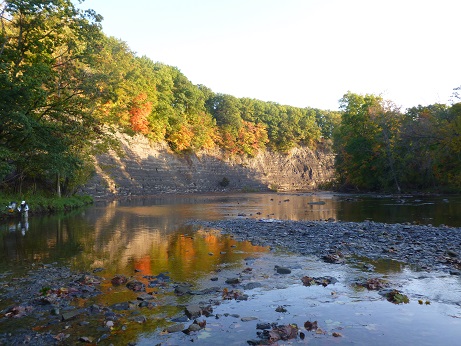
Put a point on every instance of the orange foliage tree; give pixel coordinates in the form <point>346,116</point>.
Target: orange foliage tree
<point>139,111</point>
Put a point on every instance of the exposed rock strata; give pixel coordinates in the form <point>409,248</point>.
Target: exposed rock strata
<point>149,169</point>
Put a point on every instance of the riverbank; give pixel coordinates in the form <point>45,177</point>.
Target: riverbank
<point>42,204</point>
<point>53,305</point>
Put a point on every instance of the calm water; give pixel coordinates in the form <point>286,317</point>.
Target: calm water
<point>151,236</point>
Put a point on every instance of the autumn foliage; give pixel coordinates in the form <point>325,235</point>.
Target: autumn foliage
<point>139,111</point>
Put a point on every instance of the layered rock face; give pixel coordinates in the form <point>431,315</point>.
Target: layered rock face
<point>148,169</point>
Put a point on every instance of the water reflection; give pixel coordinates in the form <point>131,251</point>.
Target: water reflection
<point>146,237</point>
<point>113,234</point>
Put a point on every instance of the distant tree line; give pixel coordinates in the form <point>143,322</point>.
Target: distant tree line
<point>66,88</point>
<point>380,148</point>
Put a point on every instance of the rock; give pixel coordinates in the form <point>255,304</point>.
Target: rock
<point>136,286</point>
<point>182,289</point>
<point>194,327</point>
<point>252,285</point>
<point>247,319</point>
<point>139,319</point>
<point>193,311</point>
<point>66,316</point>
<point>86,339</point>
<point>145,296</point>
<point>122,306</point>
<point>282,270</point>
<point>263,326</point>
<point>452,253</point>
<point>175,328</point>
<point>233,281</point>
<point>118,280</point>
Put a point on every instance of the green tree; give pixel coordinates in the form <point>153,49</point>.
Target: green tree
<point>49,89</point>
<point>364,143</point>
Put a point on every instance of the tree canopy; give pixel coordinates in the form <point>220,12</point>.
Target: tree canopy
<point>65,87</point>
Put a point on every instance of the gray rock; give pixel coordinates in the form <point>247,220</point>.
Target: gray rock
<point>193,311</point>
<point>66,316</point>
<point>175,328</point>
<point>282,270</point>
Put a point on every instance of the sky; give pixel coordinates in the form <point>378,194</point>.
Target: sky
<point>303,53</point>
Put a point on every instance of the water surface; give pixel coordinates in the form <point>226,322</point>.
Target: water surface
<point>150,236</point>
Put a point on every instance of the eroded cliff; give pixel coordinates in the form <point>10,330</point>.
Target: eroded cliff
<point>149,169</point>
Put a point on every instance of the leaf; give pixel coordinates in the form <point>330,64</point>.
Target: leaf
<point>310,325</point>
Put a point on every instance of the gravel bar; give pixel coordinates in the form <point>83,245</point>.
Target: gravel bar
<point>425,246</point>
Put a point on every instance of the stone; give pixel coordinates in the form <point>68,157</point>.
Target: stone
<point>282,270</point>
<point>248,319</point>
<point>193,311</point>
<point>175,328</point>
<point>66,316</point>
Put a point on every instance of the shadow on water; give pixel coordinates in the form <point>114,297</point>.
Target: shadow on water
<point>142,238</point>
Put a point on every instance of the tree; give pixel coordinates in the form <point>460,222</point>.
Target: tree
<point>363,143</point>
<point>139,111</point>
<point>49,89</point>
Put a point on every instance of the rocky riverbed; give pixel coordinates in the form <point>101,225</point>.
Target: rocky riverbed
<point>426,246</point>
<point>53,305</point>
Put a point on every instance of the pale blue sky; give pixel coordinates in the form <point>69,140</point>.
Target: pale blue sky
<point>305,53</point>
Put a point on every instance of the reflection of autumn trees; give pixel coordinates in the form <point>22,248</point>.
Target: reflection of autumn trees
<point>147,238</point>
<point>185,256</point>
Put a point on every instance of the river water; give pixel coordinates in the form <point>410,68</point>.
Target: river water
<point>151,236</point>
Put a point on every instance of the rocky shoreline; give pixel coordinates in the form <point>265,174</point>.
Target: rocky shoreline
<point>53,305</point>
<point>425,246</point>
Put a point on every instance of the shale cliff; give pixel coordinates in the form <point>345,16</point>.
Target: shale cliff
<point>148,169</point>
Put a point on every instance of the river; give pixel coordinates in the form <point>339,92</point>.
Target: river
<point>153,236</point>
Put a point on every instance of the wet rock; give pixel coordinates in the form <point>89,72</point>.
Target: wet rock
<point>193,311</point>
<point>66,316</point>
<point>145,296</point>
<point>282,270</point>
<point>374,284</point>
<point>452,253</point>
<point>251,285</point>
<point>175,328</point>
<point>263,326</point>
<point>138,319</point>
<point>281,309</point>
<point>180,319</point>
<point>118,280</point>
<point>233,281</point>
<point>182,289</point>
<point>136,286</point>
<point>122,306</point>
<point>336,258</point>
<point>194,327</point>
<point>247,319</point>
<point>323,281</point>
<point>394,296</point>
<point>160,280</point>
<point>86,339</point>
<point>310,325</point>
<point>205,291</point>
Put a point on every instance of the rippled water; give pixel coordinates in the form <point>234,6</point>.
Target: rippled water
<point>142,237</point>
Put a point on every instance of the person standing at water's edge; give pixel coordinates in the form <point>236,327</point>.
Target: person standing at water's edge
<point>23,208</point>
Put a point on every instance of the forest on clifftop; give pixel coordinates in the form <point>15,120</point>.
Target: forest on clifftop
<point>66,88</point>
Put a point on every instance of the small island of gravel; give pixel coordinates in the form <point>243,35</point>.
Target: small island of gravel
<point>425,246</point>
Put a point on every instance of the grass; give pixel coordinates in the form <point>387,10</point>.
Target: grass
<point>40,204</point>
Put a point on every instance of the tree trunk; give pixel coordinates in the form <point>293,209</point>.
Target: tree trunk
<point>58,186</point>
